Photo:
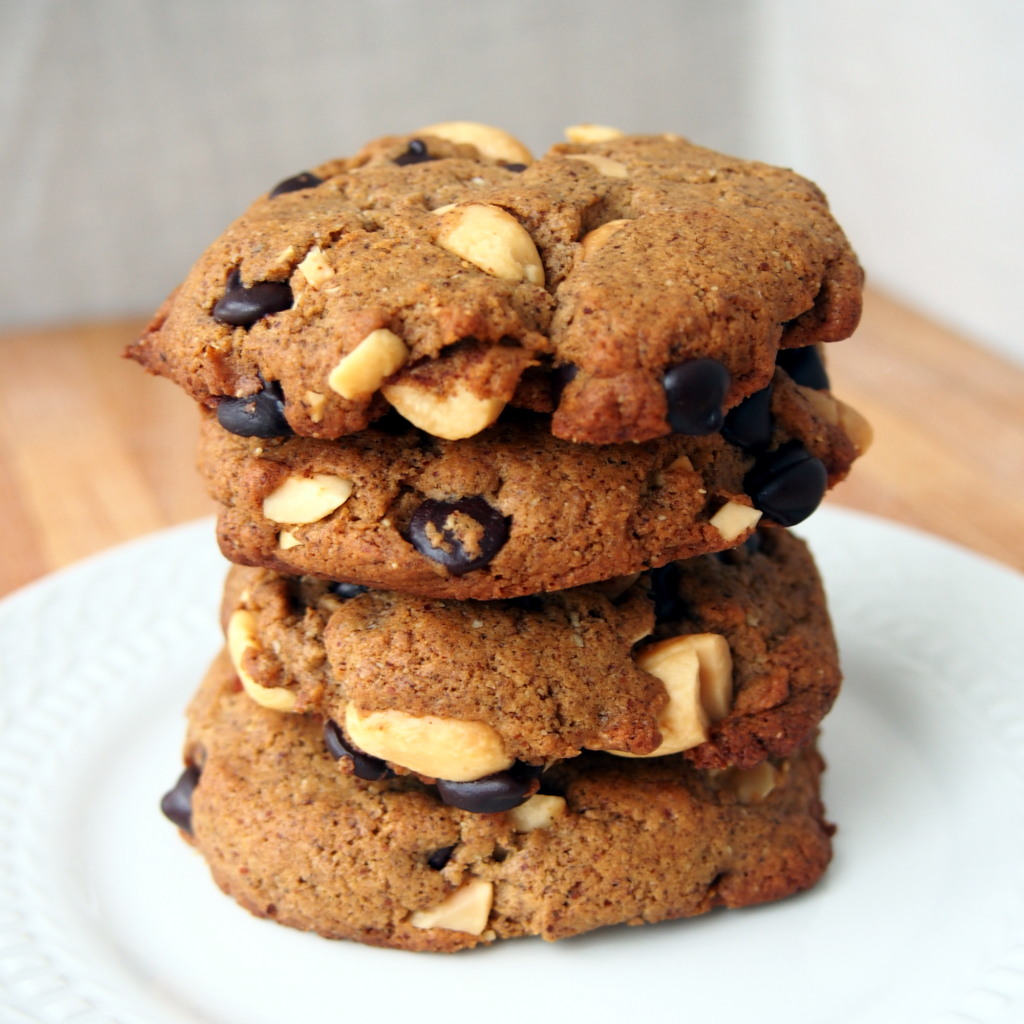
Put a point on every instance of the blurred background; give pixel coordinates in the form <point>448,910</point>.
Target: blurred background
<point>132,132</point>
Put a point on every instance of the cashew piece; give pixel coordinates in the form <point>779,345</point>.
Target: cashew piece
<point>453,416</point>
<point>733,519</point>
<point>584,133</point>
<point>493,240</point>
<point>491,143</point>
<point>242,636</point>
<point>307,499</point>
<point>465,910</point>
<point>440,748</point>
<point>602,164</point>
<point>540,811</point>
<point>380,354</point>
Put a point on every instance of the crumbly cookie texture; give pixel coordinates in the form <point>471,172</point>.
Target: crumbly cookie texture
<point>387,863</point>
<point>573,514</point>
<point>551,678</point>
<point>555,674</point>
<point>573,283</point>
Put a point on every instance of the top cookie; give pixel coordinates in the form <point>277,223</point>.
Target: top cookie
<point>634,286</point>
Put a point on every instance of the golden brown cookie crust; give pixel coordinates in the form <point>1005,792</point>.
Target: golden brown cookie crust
<point>719,258</point>
<point>560,675</point>
<point>576,513</point>
<point>639,842</point>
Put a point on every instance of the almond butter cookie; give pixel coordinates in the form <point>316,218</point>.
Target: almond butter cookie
<point>514,510</point>
<point>729,658</point>
<point>604,842</point>
<point>635,286</point>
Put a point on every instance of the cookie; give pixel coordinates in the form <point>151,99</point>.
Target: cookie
<point>730,658</point>
<point>514,510</point>
<point>634,286</point>
<point>292,838</point>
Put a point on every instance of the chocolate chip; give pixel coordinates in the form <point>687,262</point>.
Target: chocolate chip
<point>515,167</point>
<point>529,603</point>
<point>461,546</point>
<point>560,378</point>
<point>242,307</point>
<point>439,858</point>
<point>493,793</point>
<point>259,415</point>
<point>415,154</point>
<point>749,425</point>
<point>695,392</point>
<point>668,605</point>
<point>372,769</point>
<point>804,365</point>
<point>301,181</point>
<point>788,484</point>
<point>177,804</point>
<point>346,591</point>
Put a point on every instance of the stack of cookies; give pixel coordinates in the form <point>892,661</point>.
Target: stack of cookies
<point>505,449</point>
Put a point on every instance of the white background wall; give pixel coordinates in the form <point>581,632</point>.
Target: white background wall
<point>910,113</point>
<point>132,132</point>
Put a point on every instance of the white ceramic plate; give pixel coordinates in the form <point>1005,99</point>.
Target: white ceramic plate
<point>106,916</point>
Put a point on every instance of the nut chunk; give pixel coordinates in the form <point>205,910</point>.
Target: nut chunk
<point>734,519</point>
<point>697,673</point>
<point>380,354</point>
<point>540,811</point>
<point>491,143</point>
<point>492,240</point>
<point>466,910</point>
<point>242,638</point>
<point>453,416</point>
<point>307,499</point>
<point>440,748</point>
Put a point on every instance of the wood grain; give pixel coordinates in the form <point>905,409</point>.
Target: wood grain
<point>93,451</point>
<point>948,455</point>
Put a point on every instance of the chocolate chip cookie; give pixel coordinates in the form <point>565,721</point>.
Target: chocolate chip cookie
<point>635,286</point>
<point>514,510</point>
<point>729,658</point>
<point>605,841</point>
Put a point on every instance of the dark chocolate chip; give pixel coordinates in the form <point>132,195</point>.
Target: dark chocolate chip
<point>749,425</point>
<point>415,154</point>
<point>301,181</point>
<point>493,793</point>
<point>695,392</point>
<point>242,307</point>
<point>177,804</point>
<point>372,769</point>
<point>529,603</point>
<point>439,858</point>
<point>347,591</point>
<point>787,485</point>
<point>515,167</point>
<point>804,365</point>
<point>485,542</point>
<point>259,415</point>
<point>560,378</point>
<point>668,605</point>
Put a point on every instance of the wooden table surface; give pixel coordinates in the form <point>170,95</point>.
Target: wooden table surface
<point>93,451</point>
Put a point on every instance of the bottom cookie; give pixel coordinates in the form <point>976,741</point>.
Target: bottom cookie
<point>292,837</point>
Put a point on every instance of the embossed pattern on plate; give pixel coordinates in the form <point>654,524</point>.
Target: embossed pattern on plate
<point>105,916</point>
